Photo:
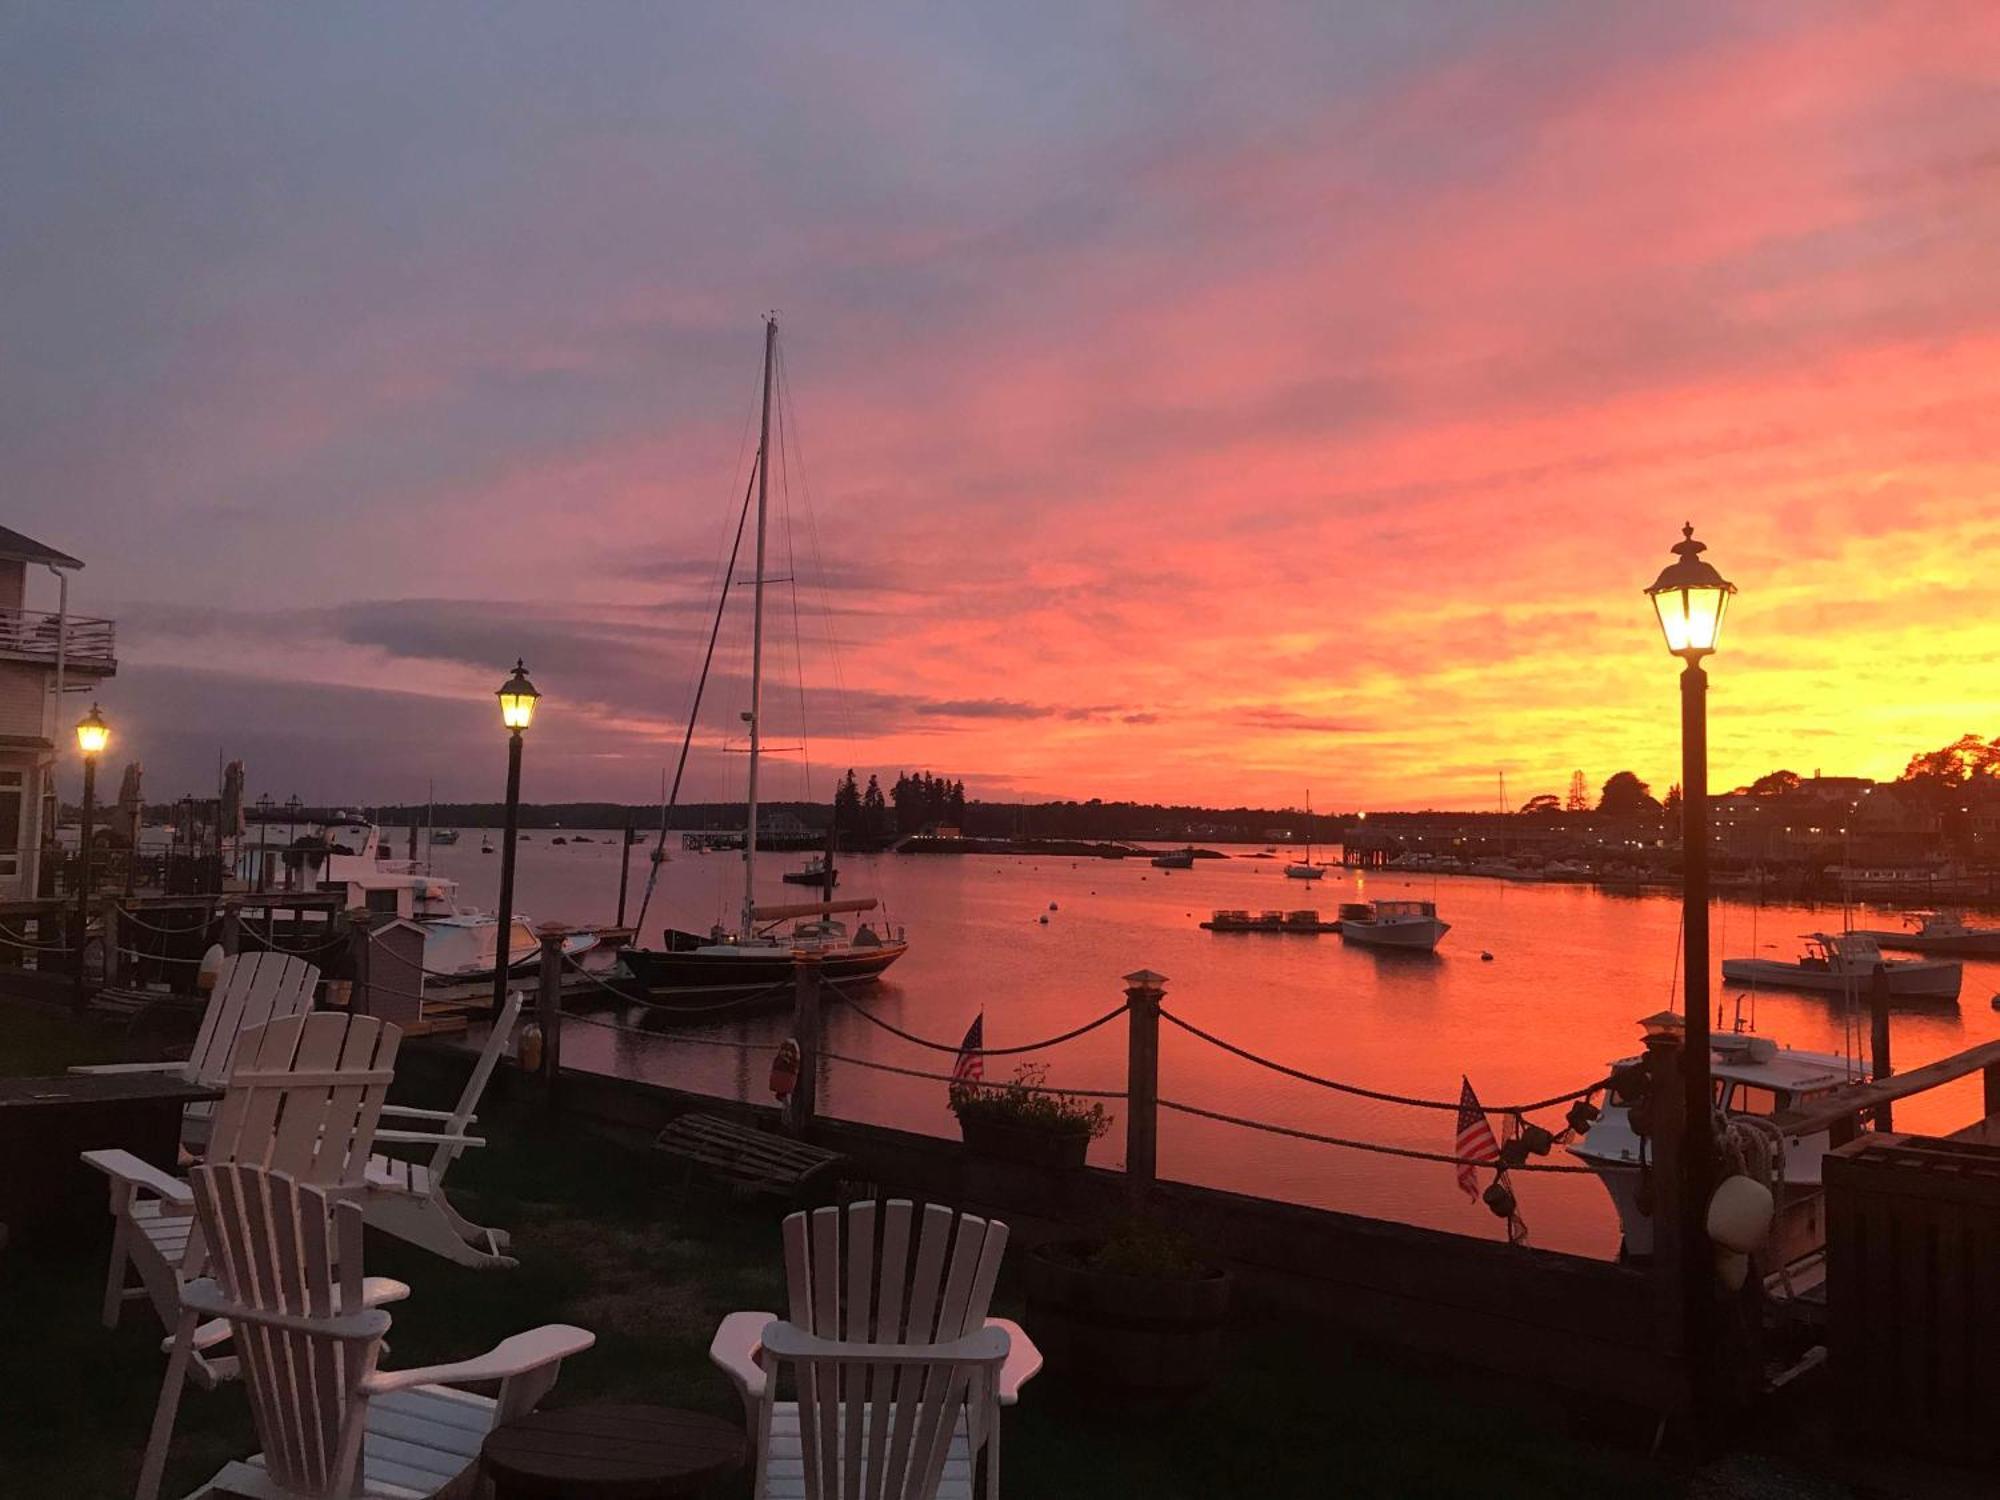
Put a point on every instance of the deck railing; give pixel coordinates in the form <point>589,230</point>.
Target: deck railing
<point>35,634</point>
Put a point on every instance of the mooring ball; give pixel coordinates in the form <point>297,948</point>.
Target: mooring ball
<point>1740,1213</point>
<point>1732,1268</point>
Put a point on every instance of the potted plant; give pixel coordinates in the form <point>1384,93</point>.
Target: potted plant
<point>1022,1121</point>
<point>1138,1312</point>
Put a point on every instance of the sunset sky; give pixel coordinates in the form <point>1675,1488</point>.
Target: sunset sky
<point>1190,402</point>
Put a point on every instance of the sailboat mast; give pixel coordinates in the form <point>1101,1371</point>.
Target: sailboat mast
<point>755,714</point>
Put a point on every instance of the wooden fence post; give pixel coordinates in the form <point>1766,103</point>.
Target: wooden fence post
<point>548,1005</point>
<point>1143,992</point>
<point>805,1031</point>
<point>1878,1037</point>
<point>357,953</point>
<point>232,927</point>
<point>113,960</point>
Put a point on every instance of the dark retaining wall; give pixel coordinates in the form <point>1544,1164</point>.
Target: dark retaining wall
<point>1564,1320</point>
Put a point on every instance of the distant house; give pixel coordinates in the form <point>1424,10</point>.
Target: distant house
<point>48,661</point>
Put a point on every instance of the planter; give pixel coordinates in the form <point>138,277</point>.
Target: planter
<point>1132,1335</point>
<point>1030,1145</point>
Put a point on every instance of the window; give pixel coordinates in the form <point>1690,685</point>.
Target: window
<point>13,792</point>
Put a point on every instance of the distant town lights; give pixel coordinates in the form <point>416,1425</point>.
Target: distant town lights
<point>92,733</point>
<point>1690,596</point>
<point>517,699</point>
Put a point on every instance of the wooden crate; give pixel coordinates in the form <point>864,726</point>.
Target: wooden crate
<point>1913,1292</point>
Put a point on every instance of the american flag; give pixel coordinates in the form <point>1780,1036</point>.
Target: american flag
<point>971,1067</point>
<point>1476,1142</point>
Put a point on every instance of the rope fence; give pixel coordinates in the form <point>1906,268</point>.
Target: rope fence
<point>1025,1088</point>
<point>1410,1153</point>
<point>15,939</point>
<point>1067,1036</point>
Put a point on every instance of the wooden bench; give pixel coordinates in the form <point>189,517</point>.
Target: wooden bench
<point>743,1158</point>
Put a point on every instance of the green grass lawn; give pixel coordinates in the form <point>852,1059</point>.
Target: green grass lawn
<point>608,1241</point>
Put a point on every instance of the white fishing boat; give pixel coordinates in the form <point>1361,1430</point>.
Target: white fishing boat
<point>444,835</point>
<point>1305,869</point>
<point>1392,924</point>
<point>1175,859</point>
<point>1940,932</point>
<point>1845,963</point>
<point>1754,1077</point>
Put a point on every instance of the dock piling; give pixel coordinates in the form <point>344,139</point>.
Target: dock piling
<point>548,1006</point>
<point>1143,992</point>
<point>1878,1041</point>
<point>805,1031</point>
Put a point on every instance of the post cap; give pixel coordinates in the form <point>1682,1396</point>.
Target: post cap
<point>1145,979</point>
<point>548,930</point>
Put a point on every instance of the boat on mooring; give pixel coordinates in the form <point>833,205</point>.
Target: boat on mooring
<point>1392,924</point>
<point>1845,963</point>
<point>1305,869</point>
<point>757,961</point>
<point>1755,1078</point>
<point>1939,932</point>
<point>1175,859</point>
<point>816,872</point>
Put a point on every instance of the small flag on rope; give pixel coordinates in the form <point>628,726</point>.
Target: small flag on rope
<point>1476,1142</point>
<point>971,1067</point>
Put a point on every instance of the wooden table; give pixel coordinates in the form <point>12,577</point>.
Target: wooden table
<point>611,1453</point>
<point>47,1196</point>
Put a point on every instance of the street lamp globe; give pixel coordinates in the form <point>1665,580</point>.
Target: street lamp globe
<point>92,733</point>
<point>1689,596</point>
<point>517,699</point>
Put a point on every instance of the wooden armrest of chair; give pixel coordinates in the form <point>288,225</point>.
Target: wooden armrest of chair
<point>737,1348</point>
<point>1023,1363</point>
<point>123,1166</point>
<point>146,1067</point>
<point>506,1359</point>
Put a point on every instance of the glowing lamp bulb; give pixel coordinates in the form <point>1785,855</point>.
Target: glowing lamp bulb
<point>92,733</point>
<point>517,699</point>
<point>1689,596</point>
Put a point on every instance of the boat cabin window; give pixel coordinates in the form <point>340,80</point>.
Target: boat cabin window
<point>1755,1099</point>
<point>383,901</point>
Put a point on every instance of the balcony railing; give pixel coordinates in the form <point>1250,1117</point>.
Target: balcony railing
<point>32,634</point>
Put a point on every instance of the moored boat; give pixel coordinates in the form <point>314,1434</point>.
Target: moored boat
<point>815,872</point>
<point>1940,932</point>
<point>1845,963</point>
<point>1392,924</point>
<point>1175,859</point>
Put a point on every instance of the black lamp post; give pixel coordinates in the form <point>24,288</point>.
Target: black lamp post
<point>1690,596</point>
<point>92,735</point>
<point>517,711</point>
<point>292,806</point>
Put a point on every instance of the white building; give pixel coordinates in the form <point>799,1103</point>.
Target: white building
<point>51,663</point>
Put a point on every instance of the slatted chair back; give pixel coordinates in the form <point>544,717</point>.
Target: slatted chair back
<point>497,1042</point>
<point>305,1096</point>
<point>285,1258</point>
<point>897,1441</point>
<point>911,1275</point>
<point>251,989</point>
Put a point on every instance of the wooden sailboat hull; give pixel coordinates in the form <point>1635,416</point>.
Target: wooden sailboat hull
<point>704,975</point>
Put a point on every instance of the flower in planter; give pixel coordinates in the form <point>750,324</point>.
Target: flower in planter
<point>1025,1102</point>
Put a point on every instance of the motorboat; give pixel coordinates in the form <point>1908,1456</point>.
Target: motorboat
<point>1755,1077</point>
<point>814,873</point>
<point>1392,924</point>
<point>1940,932</point>
<point>348,858</point>
<point>1175,859</point>
<point>1845,963</point>
<point>444,835</point>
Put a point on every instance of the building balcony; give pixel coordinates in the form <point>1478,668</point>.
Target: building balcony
<point>34,635</point>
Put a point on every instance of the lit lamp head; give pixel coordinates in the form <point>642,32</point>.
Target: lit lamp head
<point>517,699</point>
<point>1689,596</point>
<point>92,733</point>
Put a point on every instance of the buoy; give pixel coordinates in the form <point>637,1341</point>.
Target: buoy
<point>1052,906</point>
<point>785,1069</point>
<point>1043,919</point>
<point>1740,1213</point>
<point>211,968</point>
<point>1732,1268</point>
<point>528,1048</point>
<point>1485,957</point>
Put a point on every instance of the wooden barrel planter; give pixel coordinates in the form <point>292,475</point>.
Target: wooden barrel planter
<point>1135,1336</point>
<point>1029,1145</point>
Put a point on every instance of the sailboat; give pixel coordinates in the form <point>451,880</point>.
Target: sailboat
<point>1305,869</point>
<point>757,958</point>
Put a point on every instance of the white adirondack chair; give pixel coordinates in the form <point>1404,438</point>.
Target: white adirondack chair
<point>407,1199</point>
<point>285,1284</point>
<point>304,1096</point>
<point>916,1286</point>
<point>889,1421</point>
<point>251,989</point>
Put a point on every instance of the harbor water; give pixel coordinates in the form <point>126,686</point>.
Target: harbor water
<point>1572,970</point>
